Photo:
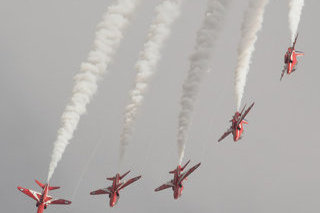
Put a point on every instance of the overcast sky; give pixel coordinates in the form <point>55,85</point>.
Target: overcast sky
<point>274,168</point>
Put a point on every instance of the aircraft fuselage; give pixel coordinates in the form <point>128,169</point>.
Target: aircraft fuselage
<point>178,187</point>
<point>41,207</point>
<point>114,196</point>
<point>41,203</point>
<point>237,129</point>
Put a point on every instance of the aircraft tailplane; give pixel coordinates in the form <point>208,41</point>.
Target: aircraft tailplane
<point>50,187</point>
<point>54,187</point>
<point>40,184</point>
<point>110,178</point>
<point>173,171</point>
<point>124,174</point>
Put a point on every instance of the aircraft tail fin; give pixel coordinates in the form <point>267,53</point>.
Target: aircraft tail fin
<point>185,165</point>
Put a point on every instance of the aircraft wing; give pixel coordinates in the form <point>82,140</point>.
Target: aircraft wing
<point>245,114</point>
<point>100,192</point>
<point>125,184</point>
<point>34,195</point>
<point>164,186</point>
<point>187,173</point>
<point>225,134</point>
<point>60,202</point>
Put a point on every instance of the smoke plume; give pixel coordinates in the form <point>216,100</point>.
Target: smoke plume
<point>108,35</point>
<point>252,23</point>
<point>199,64</point>
<point>295,10</point>
<point>166,13</point>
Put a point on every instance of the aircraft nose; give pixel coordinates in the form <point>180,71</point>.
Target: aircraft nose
<point>113,202</point>
<point>176,194</point>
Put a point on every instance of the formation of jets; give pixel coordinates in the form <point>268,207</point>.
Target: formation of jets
<point>113,191</point>
<point>176,184</point>
<point>238,120</point>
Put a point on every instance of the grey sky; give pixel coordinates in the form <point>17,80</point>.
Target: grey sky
<point>274,168</point>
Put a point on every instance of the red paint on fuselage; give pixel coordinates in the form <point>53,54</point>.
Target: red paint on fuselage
<point>44,198</point>
<point>40,208</point>
<point>113,199</point>
<point>114,195</point>
<point>177,187</point>
<point>290,59</point>
<point>237,129</point>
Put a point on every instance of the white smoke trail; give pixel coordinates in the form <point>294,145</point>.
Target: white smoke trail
<point>199,64</point>
<point>166,13</point>
<point>107,39</point>
<point>252,23</point>
<point>295,10</point>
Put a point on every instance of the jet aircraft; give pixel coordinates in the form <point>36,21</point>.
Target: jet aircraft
<point>176,184</point>
<point>237,121</point>
<point>290,59</point>
<point>43,199</point>
<point>113,190</point>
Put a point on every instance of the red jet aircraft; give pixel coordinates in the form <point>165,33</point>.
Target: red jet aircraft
<point>43,200</point>
<point>290,59</point>
<point>177,182</point>
<point>237,124</point>
<point>113,191</point>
